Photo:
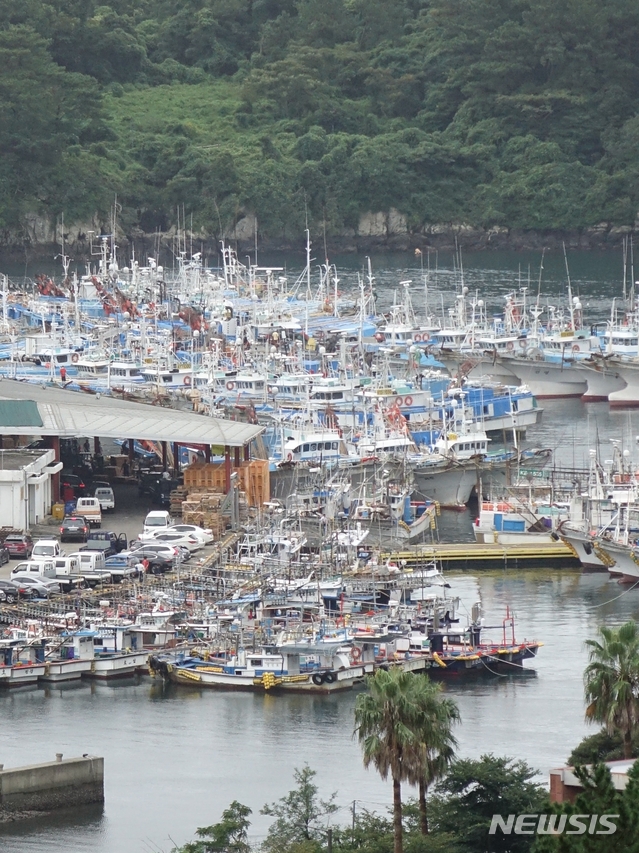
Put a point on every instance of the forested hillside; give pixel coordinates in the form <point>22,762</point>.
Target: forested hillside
<point>522,113</point>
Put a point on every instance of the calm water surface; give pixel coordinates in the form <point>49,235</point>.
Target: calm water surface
<point>174,758</point>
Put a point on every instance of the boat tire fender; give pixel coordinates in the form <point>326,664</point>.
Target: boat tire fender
<point>317,678</point>
<point>330,677</point>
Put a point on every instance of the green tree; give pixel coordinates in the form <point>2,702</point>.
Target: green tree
<point>474,791</point>
<point>436,744</point>
<point>387,722</point>
<point>612,681</point>
<point>45,116</point>
<point>300,816</point>
<point>599,797</point>
<point>230,835</point>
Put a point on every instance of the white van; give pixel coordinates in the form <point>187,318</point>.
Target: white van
<point>158,519</point>
<point>47,548</point>
<point>37,568</point>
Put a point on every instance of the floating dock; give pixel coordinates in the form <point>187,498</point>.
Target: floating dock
<point>475,555</point>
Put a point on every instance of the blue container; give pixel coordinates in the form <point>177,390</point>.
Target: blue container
<point>69,507</point>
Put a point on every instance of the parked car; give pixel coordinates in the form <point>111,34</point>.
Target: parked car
<point>30,586</point>
<point>168,551</point>
<point>158,564</point>
<point>158,561</point>
<point>73,482</point>
<point>9,590</point>
<point>47,548</point>
<point>4,555</point>
<point>157,519</point>
<point>172,537</point>
<point>74,528</point>
<point>105,496</point>
<point>19,545</point>
<point>206,535</point>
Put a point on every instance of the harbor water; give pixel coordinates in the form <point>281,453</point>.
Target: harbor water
<point>176,757</point>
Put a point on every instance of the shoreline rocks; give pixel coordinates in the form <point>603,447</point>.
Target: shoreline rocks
<point>389,231</point>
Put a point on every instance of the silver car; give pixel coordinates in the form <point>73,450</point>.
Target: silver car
<point>35,587</point>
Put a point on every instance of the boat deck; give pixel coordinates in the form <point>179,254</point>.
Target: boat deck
<point>474,555</point>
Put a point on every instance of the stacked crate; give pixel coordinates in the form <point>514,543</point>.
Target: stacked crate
<point>177,497</point>
<point>253,479</point>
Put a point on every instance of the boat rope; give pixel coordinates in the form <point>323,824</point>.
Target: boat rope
<point>492,671</point>
<point>501,660</point>
<point>617,597</point>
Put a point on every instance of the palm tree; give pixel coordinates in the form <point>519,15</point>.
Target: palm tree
<point>612,681</point>
<point>384,717</point>
<point>404,729</point>
<point>436,744</point>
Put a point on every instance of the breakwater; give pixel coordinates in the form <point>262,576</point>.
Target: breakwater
<point>59,784</point>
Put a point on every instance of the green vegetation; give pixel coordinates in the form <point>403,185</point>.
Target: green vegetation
<point>404,727</point>
<point>612,682</point>
<point>461,816</point>
<point>492,112</point>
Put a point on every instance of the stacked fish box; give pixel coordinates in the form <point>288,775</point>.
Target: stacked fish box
<point>205,510</point>
<point>252,477</point>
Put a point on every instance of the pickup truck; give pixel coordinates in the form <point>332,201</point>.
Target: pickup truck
<point>124,567</point>
<point>92,567</point>
<point>89,508</point>
<point>105,496</point>
<point>157,486</point>
<point>47,569</point>
<point>107,541</point>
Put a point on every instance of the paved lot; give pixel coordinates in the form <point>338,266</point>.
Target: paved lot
<point>129,515</point>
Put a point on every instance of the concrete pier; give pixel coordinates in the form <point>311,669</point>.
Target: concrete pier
<point>59,784</point>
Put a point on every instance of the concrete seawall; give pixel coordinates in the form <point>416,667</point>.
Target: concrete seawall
<point>55,785</point>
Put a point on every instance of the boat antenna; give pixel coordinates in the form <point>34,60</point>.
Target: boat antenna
<point>570,302</point>
<point>632,274</point>
<point>541,271</point>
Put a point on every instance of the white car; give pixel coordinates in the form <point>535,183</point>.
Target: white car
<point>157,519</point>
<point>47,548</point>
<point>175,538</point>
<point>205,535</point>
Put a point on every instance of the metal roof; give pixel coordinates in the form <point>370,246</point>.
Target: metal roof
<point>70,414</point>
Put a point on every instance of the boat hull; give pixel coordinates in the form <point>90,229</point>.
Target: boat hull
<point>450,487</point>
<point>547,380</point>
<point>19,676</point>
<point>602,380</point>
<point>621,560</point>
<point>65,670</point>
<point>582,544</point>
<point>118,666</point>
<point>628,396</point>
<point>344,679</point>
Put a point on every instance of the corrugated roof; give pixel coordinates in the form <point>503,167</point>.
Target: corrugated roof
<point>70,414</point>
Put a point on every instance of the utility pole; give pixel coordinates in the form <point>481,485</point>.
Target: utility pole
<point>330,841</point>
